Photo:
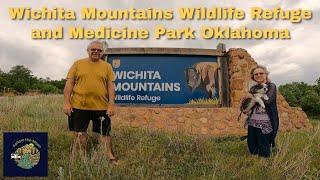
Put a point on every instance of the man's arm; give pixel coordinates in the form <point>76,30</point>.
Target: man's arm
<point>111,93</point>
<point>67,108</point>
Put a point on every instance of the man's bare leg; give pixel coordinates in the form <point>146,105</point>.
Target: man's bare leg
<point>106,142</point>
<point>80,143</point>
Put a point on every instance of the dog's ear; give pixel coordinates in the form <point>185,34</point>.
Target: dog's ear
<point>254,89</point>
<point>259,86</point>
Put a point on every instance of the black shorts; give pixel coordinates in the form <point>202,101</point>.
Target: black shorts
<point>79,121</point>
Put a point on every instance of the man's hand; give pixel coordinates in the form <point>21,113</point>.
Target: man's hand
<point>111,109</point>
<point>67,109</point>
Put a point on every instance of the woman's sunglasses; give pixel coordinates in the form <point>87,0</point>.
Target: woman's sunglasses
<point>256,74</point>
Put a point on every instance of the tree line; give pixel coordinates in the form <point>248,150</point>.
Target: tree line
<point>300,94</point>
<point>20,80</point>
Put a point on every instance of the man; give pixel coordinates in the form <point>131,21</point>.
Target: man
<point>89,94</point>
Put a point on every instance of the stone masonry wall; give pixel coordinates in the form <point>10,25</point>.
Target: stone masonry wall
<point>210,121</point>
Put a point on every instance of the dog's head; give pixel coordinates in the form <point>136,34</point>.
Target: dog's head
<point>259,88</point>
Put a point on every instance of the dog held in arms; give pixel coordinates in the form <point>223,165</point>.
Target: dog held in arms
<point>259,92</point>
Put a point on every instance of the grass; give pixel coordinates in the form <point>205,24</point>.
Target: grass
<point>204,101</point>
<point>145,154</point>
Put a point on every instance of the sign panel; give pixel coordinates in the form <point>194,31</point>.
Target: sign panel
<point>164,79</point>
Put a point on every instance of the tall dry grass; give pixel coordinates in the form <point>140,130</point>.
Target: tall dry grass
<point>145,154</point>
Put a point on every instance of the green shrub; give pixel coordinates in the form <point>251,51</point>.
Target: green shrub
<point>311,103</point>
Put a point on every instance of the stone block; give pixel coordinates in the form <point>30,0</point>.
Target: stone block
<point>237,84</point>
<point>203,120</point>
<point>221,125</point>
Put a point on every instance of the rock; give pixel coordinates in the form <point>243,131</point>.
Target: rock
<point>221,125</point>
<point>180,119</point>
<point>204,120</point>
<point>204,130</point>
<point>237,84</point>
<point>298,125</point>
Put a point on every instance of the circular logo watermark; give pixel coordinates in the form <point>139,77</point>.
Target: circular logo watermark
<point>27,155</point>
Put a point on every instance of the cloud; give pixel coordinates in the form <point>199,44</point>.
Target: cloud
<point>288,60</point>
<point>43,60</point>
<point>293,60</point>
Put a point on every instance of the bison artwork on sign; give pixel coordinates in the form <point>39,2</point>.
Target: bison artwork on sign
<point>203,76</point>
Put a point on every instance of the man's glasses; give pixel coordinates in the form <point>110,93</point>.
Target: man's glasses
<point>97,50</point>
<point>256,74</point>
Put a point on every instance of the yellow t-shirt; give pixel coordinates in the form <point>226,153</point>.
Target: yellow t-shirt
<point>90,91</point>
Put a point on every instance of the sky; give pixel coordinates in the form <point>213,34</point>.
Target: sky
<point>288,61</point>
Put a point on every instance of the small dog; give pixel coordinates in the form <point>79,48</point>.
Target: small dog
<point>259,92</point>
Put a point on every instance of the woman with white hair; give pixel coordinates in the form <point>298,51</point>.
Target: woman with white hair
<point>263,123</point>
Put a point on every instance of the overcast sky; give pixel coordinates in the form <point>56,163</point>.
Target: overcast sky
<point>287,60</point>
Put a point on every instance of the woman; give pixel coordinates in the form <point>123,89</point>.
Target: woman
<point>263,123</point>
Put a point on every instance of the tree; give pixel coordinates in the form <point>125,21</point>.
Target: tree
<point>311,103</point>
<point>59,83</point>
<point>20,71</point>
<point>2,80</point>
<point>49,89</point>
<point>317,86</point>
<point>294,92</point>
<point>20,78</point>
<point>20,86</point>
<point>303,95</point>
